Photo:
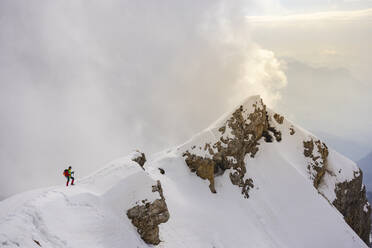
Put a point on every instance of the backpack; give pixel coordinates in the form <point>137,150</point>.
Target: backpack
<point>65,173</point>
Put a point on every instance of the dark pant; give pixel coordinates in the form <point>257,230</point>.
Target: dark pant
<point>68,180</point>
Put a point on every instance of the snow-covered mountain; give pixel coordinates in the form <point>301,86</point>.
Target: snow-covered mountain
<point>251,179</point>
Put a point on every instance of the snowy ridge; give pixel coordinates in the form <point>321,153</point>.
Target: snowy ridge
<point>212,135</point>
<point>283,210</point>
<point>85,215</point>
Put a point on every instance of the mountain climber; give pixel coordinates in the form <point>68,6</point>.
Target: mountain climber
<point>68,174</point>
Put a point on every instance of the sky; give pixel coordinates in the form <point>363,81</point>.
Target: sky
<point>84,82</point>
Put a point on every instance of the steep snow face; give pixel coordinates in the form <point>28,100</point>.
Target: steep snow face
<point>283,209</point>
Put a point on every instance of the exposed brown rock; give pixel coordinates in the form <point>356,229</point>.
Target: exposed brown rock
<point>292,131</point>
<point>308,148</point>
<point>279,118</point>
<point>147,217</point>
<point>351,201</point>
<point>141,159</point>
<point>317,167</point>
<point>229,153</point>
<point>203,167</point>
<point>277,134</point>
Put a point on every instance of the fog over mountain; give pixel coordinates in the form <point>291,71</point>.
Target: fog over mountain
<point>84,82</point>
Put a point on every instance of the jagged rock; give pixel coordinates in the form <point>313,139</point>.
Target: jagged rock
<point>162,171</point>
<point>140,158</point>
<point>351,201</point>
<point>203,167</point>
<point>37,242</point>
<point>229,152</point>
<point>248,184</point>
<point>147,217</point>
<point>308,148</point>
<point>292,131</point>
<point>317,166</point>
<point>279,118</point>
<point>277,134</point>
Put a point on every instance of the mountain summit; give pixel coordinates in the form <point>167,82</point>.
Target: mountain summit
<point>251,179</point>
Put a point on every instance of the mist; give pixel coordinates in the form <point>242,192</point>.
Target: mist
<point>327,58</point>
<point>84,82</point>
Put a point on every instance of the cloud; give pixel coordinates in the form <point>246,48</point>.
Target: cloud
<point>327,65</point>
<point>83,82</point>
<point>328,100</point>
<point>330,52</point>
<point>331,38</point>
<point>325,16</point>
<point>263,74</point>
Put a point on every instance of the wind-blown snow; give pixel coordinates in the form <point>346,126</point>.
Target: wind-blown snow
<point>284,209</point>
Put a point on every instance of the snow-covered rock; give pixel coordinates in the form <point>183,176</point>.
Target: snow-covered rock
<point>148,215</point>
<point>251,179</point>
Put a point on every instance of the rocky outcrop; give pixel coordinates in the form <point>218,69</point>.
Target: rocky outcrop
<point>140,158</point>
<point>351,201</point>
<point>147,216</point>
<point>203,167</point>
<point>239,136</point>
<point>245,130</point>
<point>351,198</point>
<point>278,118</point>
<point>317,165</point>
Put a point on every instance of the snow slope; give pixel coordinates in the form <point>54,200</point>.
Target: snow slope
<point>283,210</point>
<point>90,214</point>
